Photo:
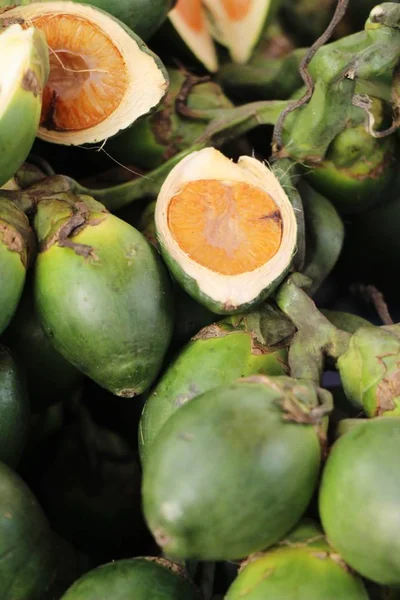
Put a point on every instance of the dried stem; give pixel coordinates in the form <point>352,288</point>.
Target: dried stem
<point>189,83</point>
<point>277,143</point>
<point>371,294</point>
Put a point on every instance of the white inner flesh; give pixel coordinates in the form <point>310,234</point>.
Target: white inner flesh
<point>232,290</point>
<point>199,42</point>
<point>146,82</point>
<point>239,37</point>
<point>16,46</point>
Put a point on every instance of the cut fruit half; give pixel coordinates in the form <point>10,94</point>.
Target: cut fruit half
<point>102,76</point>
<point>238,24</point>
<point>227,231</point>
<point>24,67</point>
<point>189,21</point>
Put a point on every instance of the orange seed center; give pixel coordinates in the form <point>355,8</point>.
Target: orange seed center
<point>88,75</point>
<point>229,227</point>
<point>237,9</point>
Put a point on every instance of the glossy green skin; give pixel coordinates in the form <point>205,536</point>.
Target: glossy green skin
<point>202,365</point>
<point>14,409</point>
<point>50,378</point>
<point>138,579</point>
<point>142,16</point>
<point>12,273</point>
<point>26,566</point>
<point>248,474</point>
<point>110,316</point>
<point>299,568</point>
<point>16,142</point>
<point>356,171</point>
<point>15,240</point>
<point>369,370</point>
<point>359,499</point>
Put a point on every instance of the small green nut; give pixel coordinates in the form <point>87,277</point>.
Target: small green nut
<point>302,566</point>
<point>370,370</point>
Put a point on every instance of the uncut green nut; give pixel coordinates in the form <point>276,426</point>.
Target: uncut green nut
<point>359,499</point>
<point>14,409</point>
<point>250,453</point>
<point>301,567</point>
<point>370,370</point>
<point>102,294</point>
<point>16,241</point>
<point>24,68</point>
<point>27,559</point>
<point>357,169</point>
<point>140,578</point>
<point>252,344</point>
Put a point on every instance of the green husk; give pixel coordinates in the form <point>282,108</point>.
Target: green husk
<point>240,346</point>
<point>14,409</point>
<point>16,245</point>
<point>238,496</point>
<point>153,577</point>
<point>358,168</point>
<point>121,285</point>
<point>301,567</point>
<point>362,470</point>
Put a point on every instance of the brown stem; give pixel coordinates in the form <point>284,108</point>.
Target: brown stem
<point>370,293</point>
<point>364,102</point>
<point>277,143</point>
<point>72,225</point>
<point>189,83</point>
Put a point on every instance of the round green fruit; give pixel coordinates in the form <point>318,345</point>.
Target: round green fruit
<point>217,355</point>
<point>369,370</point>
<point>102,295</point>
<point>301,567</point>
<point>249,469</point>
<point>359,499</point>
<point>26,566</point>
<point>14,409</point>
<point>138,578</point>
<point>15,245</point>
<point>357,170</point>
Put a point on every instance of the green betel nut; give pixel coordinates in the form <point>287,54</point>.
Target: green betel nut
<point>251,455</point>
<point>112,290</point>
<point>370,370</point>
<point>301,567</point>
